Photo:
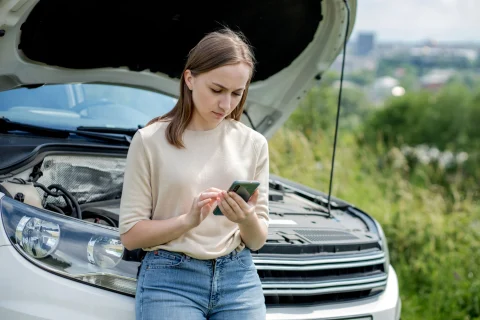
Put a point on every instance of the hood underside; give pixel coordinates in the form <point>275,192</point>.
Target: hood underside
<point>145,45</point>
<point>106,34</point>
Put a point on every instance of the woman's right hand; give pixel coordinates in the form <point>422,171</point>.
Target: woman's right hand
<point>202,206</point>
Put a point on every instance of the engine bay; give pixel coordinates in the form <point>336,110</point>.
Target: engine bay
<point>89,187</point>
<point>70,184</point>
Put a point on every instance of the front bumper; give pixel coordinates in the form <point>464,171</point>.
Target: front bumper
<point>28,292</point>
<point>386,306</point>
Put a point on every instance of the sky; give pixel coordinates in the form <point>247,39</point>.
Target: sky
<point>418,20</point>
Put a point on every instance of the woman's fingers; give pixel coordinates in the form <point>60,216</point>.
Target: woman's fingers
<point>203,202</point>
<point>208,195</point>
<point>239,201</point>
<point>254,198</point>
<point>207,208</point>
<point>226,209</point>
<point>233,202</point>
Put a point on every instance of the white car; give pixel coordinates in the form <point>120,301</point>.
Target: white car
<point>78,78</point>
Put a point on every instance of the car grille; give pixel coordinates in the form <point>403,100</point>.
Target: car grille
<point>317,279</point>
<point>315,236</point>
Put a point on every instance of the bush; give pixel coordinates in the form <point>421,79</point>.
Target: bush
<point>447,120</point>
<point>434,240</point>
<point>414,167</point>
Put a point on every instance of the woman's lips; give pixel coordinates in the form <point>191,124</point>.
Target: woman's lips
<point>218,115</point>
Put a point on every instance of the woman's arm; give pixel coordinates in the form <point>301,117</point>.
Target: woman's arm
<point>252,217</point>
<point>137,229</point>
<point>253,229</point>
<point>254,232</point>
<point>149,233</point>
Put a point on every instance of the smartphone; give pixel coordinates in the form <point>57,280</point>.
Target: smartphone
<point>243,188</point>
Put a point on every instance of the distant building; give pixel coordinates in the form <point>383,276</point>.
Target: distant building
<point>436,78</point>
<point>384,88</point>
<point>354,63</point>
<point>446,55</point>
<point>365,43</point>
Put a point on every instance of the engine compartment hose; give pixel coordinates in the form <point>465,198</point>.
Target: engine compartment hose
<point>78,211</point>
<point>67,196</point>
<point>96,215</point>
<point>54,208</point>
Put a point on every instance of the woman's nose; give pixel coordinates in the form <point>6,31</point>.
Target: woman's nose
<point>225,101</point>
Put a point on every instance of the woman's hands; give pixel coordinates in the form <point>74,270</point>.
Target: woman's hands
<point>202,206</point>
<point>232,205</point>
<point>235,208</point>
<point>252,230</point>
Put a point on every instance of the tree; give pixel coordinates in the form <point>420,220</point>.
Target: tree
<point>362,78</point>
<point>447,119</point>
<point>315,112</point>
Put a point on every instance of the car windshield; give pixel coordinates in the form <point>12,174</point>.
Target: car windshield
<point>69,106</point>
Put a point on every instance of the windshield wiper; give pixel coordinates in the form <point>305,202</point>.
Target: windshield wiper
<point>127,131</point>
<point>7,126</point>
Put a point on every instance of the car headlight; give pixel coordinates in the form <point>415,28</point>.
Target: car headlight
<point>384,245</point>
<point>39,238</point>
<point>76,249</point>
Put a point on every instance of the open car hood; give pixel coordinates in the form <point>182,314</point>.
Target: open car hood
<point>145,45</point>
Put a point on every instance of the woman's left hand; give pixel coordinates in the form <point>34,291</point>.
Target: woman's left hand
<point>235,208</point>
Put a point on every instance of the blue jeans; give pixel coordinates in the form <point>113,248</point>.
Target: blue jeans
<point>175,286</point>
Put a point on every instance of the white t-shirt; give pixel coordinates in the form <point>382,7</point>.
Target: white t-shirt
<point>161,182</point>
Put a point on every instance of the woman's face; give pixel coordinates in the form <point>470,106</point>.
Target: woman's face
<point>216,93</point>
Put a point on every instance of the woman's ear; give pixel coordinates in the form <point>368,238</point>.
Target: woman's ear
<point>188,76</point>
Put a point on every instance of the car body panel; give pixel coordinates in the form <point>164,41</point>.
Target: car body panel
<point>270,100</point>
<point>62,298</point>
<point>30,292</point>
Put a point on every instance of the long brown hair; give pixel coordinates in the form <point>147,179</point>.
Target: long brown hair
<point>216,49</point>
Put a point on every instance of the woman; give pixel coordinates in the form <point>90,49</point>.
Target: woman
<point>198,265</point>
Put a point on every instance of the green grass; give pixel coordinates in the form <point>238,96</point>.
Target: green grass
<point>433,230</point>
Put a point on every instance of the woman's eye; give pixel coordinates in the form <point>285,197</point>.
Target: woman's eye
<point>216,91</point>
<point>237,94</point>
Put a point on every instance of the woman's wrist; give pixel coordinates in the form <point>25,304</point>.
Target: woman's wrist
<point>253,232</point>
<point>186,223</point>
<point>249,220</point>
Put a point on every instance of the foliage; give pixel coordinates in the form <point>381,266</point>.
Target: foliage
<point>469,79</point>
<point>430,216</point>
<point>447,120</point>
<point>422,63</point>
<point>318,110</point>
<point>362,78</point>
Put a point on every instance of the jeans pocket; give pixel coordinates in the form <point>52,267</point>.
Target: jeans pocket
<point>245,260</point>
<point>164,259</point>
